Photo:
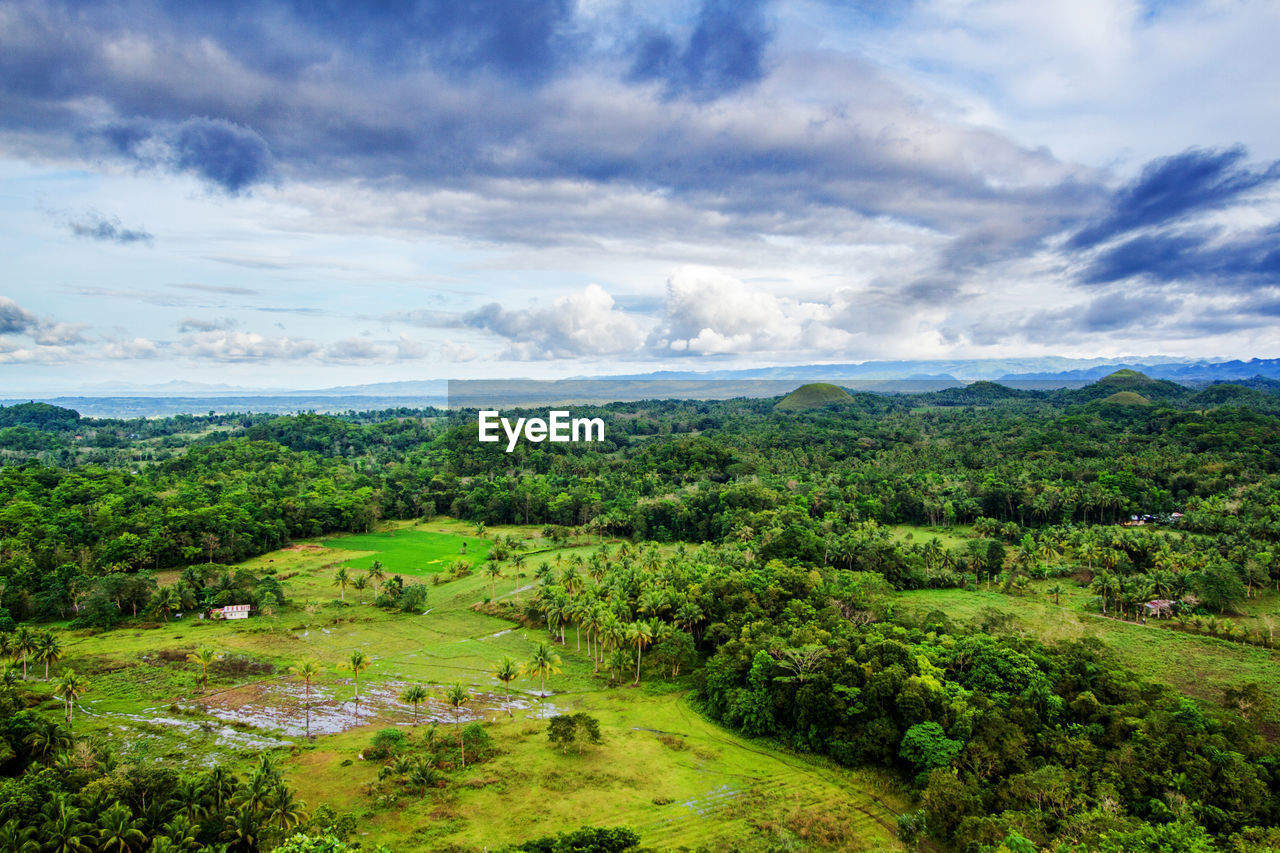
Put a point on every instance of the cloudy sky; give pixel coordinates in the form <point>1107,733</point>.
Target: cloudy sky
<point>308,194</point>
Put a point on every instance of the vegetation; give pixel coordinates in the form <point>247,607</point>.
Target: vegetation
<point>984,619</point>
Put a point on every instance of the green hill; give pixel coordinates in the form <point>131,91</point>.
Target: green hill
<point>1126,398</point>
<point>813,396</point>
<point>1126,378</point>
<point>981,393</point>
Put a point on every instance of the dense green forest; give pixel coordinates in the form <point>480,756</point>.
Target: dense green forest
<point>777,601</point>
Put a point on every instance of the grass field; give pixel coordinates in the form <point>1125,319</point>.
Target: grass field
<point>1197,665</point>
<point>663,769</point>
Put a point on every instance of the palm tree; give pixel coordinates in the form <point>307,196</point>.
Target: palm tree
<point>507,671</point>
<point>458,696</point>
<point>640,634</point>
<point>376,575</point>
<point>23,645</point>
<point>493,571</point>
<point>544,662</point>
<point>1056,590</point>
<point>205,657</point>
<point>63,831</point>
<point>414,695</point>
<point>357,663</point>
<point>48,650</point>
<point>47,739</point>
<point>342,580</point>
<point>307,671</point>
<point>117,832</point>
<point>245,828</point>
<point>165,601</point>
<point>360,584</point>
<point>283,809</point>
<point>189,798</point>
<point>69,688</point>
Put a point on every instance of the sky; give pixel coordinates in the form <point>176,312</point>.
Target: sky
<point>295,194</point>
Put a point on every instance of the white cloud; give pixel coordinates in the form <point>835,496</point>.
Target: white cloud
<point>136,348</point>
<point>583,323</point>
<point>226,345</point>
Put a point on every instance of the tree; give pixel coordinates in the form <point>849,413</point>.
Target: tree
<point>69,688</point>
<point>48,650</point>
<point>566,730</point>
<point>545,662</point>
<point>1220,587</point>
<point>62,830</point>
<point>493,571</point>
<point>357,663</point>
<point>414,695</point>
<point>204,657</point>
<point>24,640</point>
<point>458,696</point>
<point>1056,590</point>
<point>376,575</point>
<point>342,580</point>
<point>507,671</point>
<point>639,635</point>
<point>284,809</point>
<point>117,831</point>
<point>307,671</point>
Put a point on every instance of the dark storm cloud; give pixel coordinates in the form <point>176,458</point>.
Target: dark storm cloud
<point>724,52</point>
<point>14,319</point>
<point>1243,261</point>
<point>228,155</point>
<point>1173,188</point>
<point>95,226</point>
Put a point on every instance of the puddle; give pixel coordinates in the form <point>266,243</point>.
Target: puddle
<point>281,706</point>
<point>224,736</point>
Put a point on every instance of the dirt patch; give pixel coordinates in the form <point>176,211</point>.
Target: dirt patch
<point>310,549</point>
<point>281,705</point>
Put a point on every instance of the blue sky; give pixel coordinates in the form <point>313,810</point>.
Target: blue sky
<point>293,194</point>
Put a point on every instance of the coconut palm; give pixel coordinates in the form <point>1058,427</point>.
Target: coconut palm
<point>507,671</point>
<point>493,571</point>
<point>204,657</point>
<point>414,695</point>
<point>357,663</point>
<point>117,831</point>
<point>47,650</point>
<point>342,580</point>
<point>69,688</point>
<point>307,671</point>
<point>23,645</point>
<point>1056,590</point>
<point>458,696</point>
<point>164,601</point>
<point>376,576</point>
<point>640,634</point>
<point>544,662</point>
<point>62,830</point>
<point>46,739</point>
<point>190,799</point>
<point>283,809</point>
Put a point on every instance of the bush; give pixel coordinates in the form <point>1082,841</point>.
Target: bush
<point>386,743</point>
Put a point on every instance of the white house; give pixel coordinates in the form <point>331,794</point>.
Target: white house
<point>231,611</point>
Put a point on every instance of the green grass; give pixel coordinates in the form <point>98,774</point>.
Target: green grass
<point>952,537</point>
<point>663,769</point>
<point>412,551</point>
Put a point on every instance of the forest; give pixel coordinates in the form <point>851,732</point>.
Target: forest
<point>760,560</point>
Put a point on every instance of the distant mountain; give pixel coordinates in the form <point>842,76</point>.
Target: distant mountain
<point>1194,372</point>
